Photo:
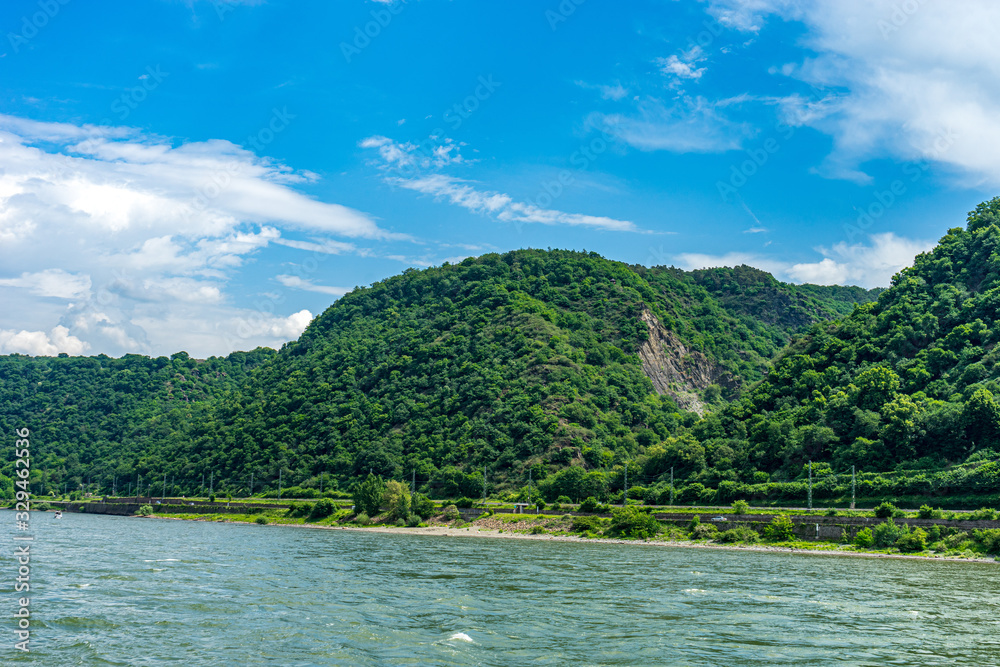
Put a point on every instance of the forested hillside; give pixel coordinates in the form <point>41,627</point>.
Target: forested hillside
<point>526,362</point>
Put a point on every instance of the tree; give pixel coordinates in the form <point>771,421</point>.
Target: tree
<point>396,498</point>
<point>368,495</point>
<point>982,418</point>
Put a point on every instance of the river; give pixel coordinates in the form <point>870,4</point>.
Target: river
<point>124,591</point>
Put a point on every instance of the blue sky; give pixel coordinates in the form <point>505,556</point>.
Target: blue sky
<point>209,175</point>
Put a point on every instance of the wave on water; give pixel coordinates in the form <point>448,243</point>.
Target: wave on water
<point>461,637</point>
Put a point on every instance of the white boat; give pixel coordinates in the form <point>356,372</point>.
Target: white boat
<point>58,514</point>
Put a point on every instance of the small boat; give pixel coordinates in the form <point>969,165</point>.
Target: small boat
<point>58,514</point>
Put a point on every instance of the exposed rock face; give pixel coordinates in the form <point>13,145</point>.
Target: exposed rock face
<point>677,371</point>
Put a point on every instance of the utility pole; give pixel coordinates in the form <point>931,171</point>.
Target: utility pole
<point>810,486</point>
<point>484,485</point>
<point>211,478</point>
<point>321,476</point>
<point>671,485</point>
<point>853,487</point>
<point>279,483</point>
<point>114,485</point>
<point>251,485</point>
<point>163,491</point>
<point>413,484</point>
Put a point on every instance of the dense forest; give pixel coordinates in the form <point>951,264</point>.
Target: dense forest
<point>563,371</point>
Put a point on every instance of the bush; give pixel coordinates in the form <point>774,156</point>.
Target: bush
<point>864,538</point>
<point>886,534</point>
<point>537,530</point>
<point>630,521</point>
<point>368,495</point>
<point>451,513</point>
<point>413,520</point>
<point>592,505</point>
<point>212,498</point>
<point>422,506</point>
<point>704,531</point>
<point>323,508</point>
<point>586,524</point>
<point>988,539</point>
<point>563,500</point>
<point>145,510</point>
<point>362,519</point>
<point>262,520</point>
<point>983,514</point>
<point>694,522</point>
<point>832,512</point>
<point>540,504</point>
<point>925,512</point>
<point>400,523</point>
<point>781,529</point>
<point>741,507</point>
<point>957,541</point>
<point>465,502</point>
<point>885,510</point>
<point>913,541</point>
<point>738,534</point>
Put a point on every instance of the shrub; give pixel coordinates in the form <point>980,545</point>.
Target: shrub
<point>704,531</point>
<point>563,500</point>
<point>465,501</point>
<point>741,507</point>
<point>585,524</point>
<point>885,510</point>
<point>397,499</point>
<point>886,534</point>
<point>913,541</point>
<point>422,506</point>
<point>537,530</point>
<point>413,520</point>
<point>262,520</point>
<point>864,538</point>
<point>832,512</point>
<point>933,533</point>
<point>451,513</point>
<point>925,512</point>
<point>957,541</point>
<point>300,510</point>
<point>738,534</point>
<point>592,505</point>
<point>630,521</point>
<point>145,510</point>
<point>323,508</point>
<point>540,504</point>
<point>212,498</point>
<point>694,522</point>
<point>362,519</point>
<point>368,495</point>
<point>983,513</point>
<point>400,523</point>
<point>781,529</point>
<point>988,539</point>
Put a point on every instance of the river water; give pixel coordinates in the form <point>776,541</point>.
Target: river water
<point>126,591</point>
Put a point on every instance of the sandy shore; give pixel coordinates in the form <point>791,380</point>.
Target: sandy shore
<point>475,531</point>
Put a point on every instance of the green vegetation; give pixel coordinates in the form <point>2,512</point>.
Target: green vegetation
<point>547,369</point>
<point>145,510</point>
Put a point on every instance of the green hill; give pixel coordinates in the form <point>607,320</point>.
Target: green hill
<point>526,362</point>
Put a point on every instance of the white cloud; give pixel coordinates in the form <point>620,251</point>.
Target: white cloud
<point>147,233</point>
<point>859,264</point>
<point>913,81</point>
<point>39,343</point>
<point>461,193</point>
<point>685,65</point>
<point>689,125</point>
<point>52,283</point>
<point>613,92</point>
<point>296,282</point>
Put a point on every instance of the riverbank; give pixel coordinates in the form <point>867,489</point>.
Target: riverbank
<point>474,530</point>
